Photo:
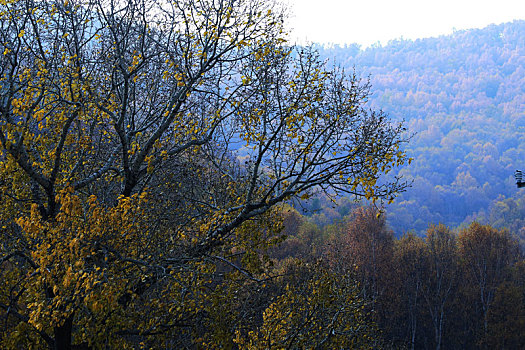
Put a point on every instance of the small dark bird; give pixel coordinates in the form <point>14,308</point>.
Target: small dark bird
<point>519,178</point>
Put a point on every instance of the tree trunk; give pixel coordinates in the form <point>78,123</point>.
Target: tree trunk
<point>63,334</point>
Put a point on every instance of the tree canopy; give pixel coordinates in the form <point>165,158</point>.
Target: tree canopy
<point>145,149</point>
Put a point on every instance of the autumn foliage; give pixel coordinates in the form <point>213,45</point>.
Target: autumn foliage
<point>147,148</point>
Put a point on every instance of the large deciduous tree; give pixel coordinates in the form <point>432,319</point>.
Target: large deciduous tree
<point>369,245</point>
<point>440,279</point>
<point>144,141</point>
<point>409,262</point>
<point>487,255</point>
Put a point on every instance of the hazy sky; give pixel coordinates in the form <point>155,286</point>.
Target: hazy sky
<point>369,21</point>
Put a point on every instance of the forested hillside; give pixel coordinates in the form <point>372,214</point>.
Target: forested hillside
<point>463,97</point>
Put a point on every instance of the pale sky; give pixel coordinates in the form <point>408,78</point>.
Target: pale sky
<point>368,21</point>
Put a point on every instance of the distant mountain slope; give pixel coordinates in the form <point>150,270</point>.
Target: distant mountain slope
<point>464,97</point>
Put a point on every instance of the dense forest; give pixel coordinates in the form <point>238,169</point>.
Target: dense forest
<point>463,97</point>
<point>448,289</point>
<point>442,266</point>
<point>176,175</point>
